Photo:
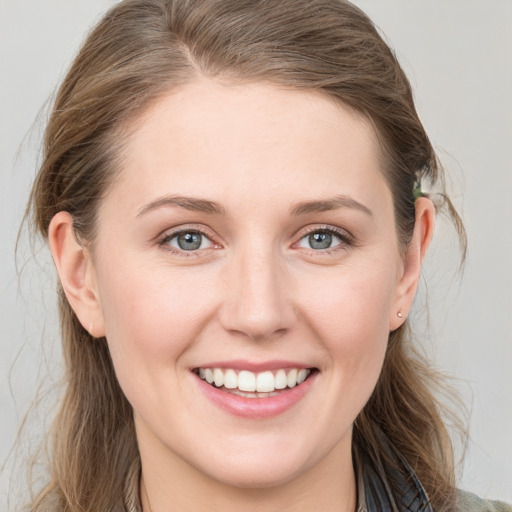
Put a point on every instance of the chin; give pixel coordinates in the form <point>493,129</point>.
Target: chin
<point>257,472</point>
<point>257,477</point>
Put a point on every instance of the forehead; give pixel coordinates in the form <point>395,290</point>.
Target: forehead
<point>251,142</point>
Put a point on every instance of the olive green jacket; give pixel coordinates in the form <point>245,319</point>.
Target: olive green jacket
<point>469,502</point>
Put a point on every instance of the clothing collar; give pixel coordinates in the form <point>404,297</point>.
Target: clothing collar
<point>388,485</point>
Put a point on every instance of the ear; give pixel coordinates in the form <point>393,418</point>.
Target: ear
<point>77,274</point>
<point>412,261</point>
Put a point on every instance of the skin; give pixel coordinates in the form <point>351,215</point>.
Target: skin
<point>256,290</point>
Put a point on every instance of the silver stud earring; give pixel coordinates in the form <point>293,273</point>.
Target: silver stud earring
<point>400,314</point>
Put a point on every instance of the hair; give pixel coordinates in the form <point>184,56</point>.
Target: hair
<point>138,52</point>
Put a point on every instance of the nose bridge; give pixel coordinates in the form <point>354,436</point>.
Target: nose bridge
<point>258,305</point>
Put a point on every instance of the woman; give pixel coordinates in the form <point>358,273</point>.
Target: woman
<point>232,196</point>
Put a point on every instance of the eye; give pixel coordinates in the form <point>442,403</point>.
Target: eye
<point>323,239</point>
<point>187,241</point>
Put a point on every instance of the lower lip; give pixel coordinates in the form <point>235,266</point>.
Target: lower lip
<point>256,408</point>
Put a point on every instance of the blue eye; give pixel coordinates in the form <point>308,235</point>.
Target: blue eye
<point>188,241</point>
<point>321,239</point>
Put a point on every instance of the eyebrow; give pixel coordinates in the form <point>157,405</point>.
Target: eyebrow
<point>195,204</point>
<point>192,204</point>
<point>333,203</point>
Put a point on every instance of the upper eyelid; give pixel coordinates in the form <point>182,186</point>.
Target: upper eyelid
<point>343,233</point>
<point>172,232</point>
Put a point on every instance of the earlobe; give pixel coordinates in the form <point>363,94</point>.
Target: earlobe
<point>412,261</point>
<point>76,272</point>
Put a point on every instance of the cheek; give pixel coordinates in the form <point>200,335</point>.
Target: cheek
<point>346,313</point>
<point>352,302</point>
<point>151,318</point>
<point>350,312</point>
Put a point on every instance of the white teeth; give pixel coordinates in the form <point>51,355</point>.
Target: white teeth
<point>218,377</point>
<point>230,380</point>
<point>265,382</point>
<point>208,375</point>
<point>301,376</point>
<point>247,383</point>
<point>280,381</point>
<point>291,379</point>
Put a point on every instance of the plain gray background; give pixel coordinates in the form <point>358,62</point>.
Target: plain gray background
<point>458,55</point>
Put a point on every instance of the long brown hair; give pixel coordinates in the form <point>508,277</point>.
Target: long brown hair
<point>142,49</point>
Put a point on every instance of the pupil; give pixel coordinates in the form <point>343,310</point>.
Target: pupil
<point>189,241</point>
<point>320,240</point>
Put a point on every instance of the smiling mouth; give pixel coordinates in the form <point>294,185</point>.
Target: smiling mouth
<point>254,385</point>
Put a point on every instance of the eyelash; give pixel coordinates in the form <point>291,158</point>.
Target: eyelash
<point>346,240</point>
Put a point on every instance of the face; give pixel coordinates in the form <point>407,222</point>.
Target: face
<point>249,239</point>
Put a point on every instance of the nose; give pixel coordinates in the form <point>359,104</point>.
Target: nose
<point>258,303</point>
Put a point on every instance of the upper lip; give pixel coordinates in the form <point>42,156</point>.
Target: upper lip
<point>254,366</point>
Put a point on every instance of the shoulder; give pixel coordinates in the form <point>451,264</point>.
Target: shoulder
<point>469,502</point>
